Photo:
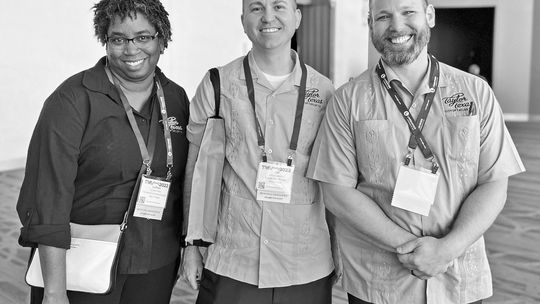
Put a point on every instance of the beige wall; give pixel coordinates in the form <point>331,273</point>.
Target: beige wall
<point>51,40</point>
<point>47,41</point>
<point>535,67</point>
<point>206,33</point>
<point>511,51</point>
<point>351,32</point>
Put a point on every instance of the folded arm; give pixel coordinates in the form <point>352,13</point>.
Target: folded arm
<point>361,213</point>
<point>431,256</point>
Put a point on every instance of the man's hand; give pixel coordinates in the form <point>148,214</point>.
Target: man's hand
<point>426,257</point>
<point>192,266</point>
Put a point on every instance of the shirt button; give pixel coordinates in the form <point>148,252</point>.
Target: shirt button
<point>265,242</point>
<point>414,105</point>
<point>270,122</point>
<point>269,151</point>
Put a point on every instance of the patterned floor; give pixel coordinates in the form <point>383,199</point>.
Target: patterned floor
<point>513,242</point>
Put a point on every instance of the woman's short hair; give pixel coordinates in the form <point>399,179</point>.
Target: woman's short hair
<point>105,11</point>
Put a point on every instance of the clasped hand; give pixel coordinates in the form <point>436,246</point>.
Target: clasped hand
<point>426,257</point>
<point>191,266</point>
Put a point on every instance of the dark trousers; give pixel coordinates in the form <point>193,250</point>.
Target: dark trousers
<point>217,289</point>
<point>153,287</point>
<point>355,300</point>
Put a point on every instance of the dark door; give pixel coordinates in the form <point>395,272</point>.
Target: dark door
<point>464,36</point>
<point>313,38</point>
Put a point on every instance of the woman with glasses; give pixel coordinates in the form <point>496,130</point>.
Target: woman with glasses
<point>98,133</point>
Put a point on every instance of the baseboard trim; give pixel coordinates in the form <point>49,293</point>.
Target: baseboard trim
<point>534,118</point>
<point>12,164</point>
<point>516,117</point>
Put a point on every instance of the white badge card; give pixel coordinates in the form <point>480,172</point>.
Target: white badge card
<point>274,182</point>
<point>415,190</point>
<point>152,197</point>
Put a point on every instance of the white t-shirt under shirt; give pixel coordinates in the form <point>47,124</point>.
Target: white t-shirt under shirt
<point>274,80</point>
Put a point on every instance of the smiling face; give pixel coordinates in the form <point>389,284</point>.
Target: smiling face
<point>400,29</point>
<point>130,62</point>
<point>270,24</point>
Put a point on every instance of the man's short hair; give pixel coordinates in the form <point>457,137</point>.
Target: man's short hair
<point>425,4</point>
<point>295,5</point>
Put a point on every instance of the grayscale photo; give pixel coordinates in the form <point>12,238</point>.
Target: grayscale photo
<point>270,152</point>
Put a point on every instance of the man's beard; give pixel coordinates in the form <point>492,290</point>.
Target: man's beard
<point>400,57</point>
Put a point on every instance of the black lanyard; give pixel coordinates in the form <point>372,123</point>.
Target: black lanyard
<point>299,109</point>
<point>415,126</point>
<point>148,153</point>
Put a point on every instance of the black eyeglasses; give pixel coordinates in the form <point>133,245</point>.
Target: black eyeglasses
<point>139,41</point>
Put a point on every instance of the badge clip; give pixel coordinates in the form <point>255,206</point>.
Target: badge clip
<point>148,169</point>
<point>408,159</point>
<point>264,158</point>
<point>435,167</point>
<point>169,173</point>
<point>289,160</point>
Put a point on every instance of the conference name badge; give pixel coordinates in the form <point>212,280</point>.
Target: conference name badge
<point>152,197</point>
<point>415,190</point>
<point>274,182</point>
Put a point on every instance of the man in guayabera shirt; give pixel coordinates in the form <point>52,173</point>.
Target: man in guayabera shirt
<point>271,246</point>
<point>412,209</point>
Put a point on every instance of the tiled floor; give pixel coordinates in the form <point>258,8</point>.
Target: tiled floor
<point>12,257</point>
<point>513,242</point>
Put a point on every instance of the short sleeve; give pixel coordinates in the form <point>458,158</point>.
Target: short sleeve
<point>498,155</point>
<point>333,158</point>
<point>46,196</point>
<point>201,107</point>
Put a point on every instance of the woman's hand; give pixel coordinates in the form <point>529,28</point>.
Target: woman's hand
<point>192,266</point>
<point>60,298</point>
<point>53,267</point>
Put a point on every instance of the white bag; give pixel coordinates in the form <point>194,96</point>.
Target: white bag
<point>91,262</point>
<point>206,184</point>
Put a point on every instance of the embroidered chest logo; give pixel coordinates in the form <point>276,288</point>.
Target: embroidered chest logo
<point>313,98</point>
<point>458,105</point>
<point>174,125</point>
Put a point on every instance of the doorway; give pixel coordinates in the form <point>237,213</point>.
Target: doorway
<point>313,38</point>
<point>464,36</point>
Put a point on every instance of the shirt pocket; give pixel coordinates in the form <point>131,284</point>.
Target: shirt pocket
<point>373,148</point>
<point>304,190</point>
<point>462,141</point>
<point>241,127</point>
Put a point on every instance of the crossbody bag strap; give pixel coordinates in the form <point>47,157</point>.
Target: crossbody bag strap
<point>133,198</point>
<point>214,78</point>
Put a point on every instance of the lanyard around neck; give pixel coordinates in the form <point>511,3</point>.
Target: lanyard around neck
<point>147,154</point>
<point>297,118</point>
<point>415,126</point>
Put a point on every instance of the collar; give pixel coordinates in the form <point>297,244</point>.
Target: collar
<point>255,71</point>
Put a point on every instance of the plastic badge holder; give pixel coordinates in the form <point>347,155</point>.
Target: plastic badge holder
<point>415,190</point>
